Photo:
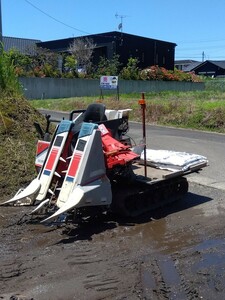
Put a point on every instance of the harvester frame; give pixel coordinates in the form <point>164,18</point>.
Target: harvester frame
<point>89,166</point>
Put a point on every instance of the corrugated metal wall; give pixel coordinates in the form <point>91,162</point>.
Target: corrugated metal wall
<point>50,88</point>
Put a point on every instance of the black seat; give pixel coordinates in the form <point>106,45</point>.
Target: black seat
<point>95,113</point>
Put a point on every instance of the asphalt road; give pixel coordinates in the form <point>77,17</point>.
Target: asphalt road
<point>210,145</point>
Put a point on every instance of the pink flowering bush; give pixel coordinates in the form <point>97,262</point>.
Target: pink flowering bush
<point>160,73</point>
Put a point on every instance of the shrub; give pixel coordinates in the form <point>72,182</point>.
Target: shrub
<point>107,66</point>
<point>131,71</point>
<point>9,83</point>
<point>160,73</point>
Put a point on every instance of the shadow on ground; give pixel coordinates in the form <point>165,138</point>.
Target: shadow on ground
<point>86,229</point>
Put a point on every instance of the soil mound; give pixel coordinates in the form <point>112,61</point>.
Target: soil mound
<point>18,139</point>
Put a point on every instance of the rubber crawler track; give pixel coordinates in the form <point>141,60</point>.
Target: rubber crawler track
<point>139,197</point>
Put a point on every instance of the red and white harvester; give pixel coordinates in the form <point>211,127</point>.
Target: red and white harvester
<point>89,166</point>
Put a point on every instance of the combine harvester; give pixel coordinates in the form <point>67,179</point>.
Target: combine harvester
<point>89,167</point>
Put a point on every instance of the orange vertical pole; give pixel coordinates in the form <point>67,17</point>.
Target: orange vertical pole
<point>143,108</point>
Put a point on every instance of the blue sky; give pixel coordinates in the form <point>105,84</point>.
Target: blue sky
<point>196,26</point>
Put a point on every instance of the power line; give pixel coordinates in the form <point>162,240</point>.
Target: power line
<point>43,12</point>
<point>104,36</point>
<point>198,56</point>
<point>180,48</point>
<point>199,41</point>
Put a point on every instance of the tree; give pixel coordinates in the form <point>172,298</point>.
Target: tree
<point>131,71</point>
<point>21,61</point>
<point>70,66</point>
<point>38,62</point>
<point>108,66</point>
<point>45,63</point>
<point>82,49</point>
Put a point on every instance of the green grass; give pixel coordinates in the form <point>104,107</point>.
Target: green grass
<point>203,110</point>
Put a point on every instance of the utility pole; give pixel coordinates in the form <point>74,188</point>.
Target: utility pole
<point>0,21</point>
<point>203,56</point>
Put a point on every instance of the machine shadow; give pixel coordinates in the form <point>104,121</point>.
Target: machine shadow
<point>85,230</point>
<point>186,202</point>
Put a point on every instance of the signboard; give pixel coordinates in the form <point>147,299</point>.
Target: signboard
<point>109,82</point>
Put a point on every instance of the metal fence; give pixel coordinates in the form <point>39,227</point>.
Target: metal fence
<point>51,88</point>
<point>215,84</point>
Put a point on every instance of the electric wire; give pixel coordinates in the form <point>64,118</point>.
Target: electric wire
<point>43,12</point>
<point>69,26</point>
<point>107,36</point>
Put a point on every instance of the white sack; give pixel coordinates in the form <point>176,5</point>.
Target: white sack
<point>172,160</point>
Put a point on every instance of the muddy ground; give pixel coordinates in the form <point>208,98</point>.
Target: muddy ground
<point>174,253</point>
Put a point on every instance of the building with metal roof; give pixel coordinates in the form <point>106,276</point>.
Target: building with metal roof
<point>212,68</point>
<point>185,64</point>
<point>148,51</point>
<point>24,46</point>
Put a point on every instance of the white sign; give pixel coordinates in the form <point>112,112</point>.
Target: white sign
<point>109,82</point>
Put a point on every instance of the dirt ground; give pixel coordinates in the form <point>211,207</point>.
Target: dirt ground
<point>174,253</point>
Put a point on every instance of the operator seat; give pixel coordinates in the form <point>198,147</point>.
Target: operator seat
<point>95,113</point>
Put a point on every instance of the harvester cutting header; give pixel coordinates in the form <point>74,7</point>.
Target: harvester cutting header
<point>89,167</point>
